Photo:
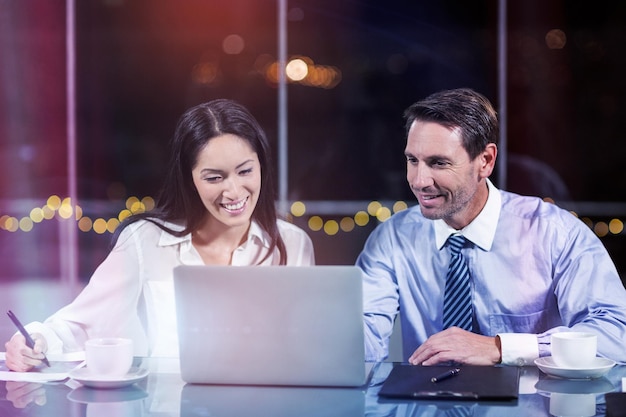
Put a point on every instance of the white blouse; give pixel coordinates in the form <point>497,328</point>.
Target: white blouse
<point>131,294</point>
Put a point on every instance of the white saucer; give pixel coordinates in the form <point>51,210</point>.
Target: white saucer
<point>600,367</point>
<point>85,377</point>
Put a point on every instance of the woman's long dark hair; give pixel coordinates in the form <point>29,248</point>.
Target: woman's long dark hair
<point>178,200</point>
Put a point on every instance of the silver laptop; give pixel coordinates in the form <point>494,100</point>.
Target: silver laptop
<point>270,325</point>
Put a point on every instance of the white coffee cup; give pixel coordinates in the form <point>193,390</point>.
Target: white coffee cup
<point>109,356</point>
<point>574,350</point>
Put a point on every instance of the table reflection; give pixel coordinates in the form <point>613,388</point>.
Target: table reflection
<point>575,397</point>
<point>122,402</point>
<point>224,401</point>
<point>164,394</point>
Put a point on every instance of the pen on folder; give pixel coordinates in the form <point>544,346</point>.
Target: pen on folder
<point>446,375</point>
<point>29,340</point>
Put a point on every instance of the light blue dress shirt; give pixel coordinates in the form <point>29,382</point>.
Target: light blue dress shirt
<point>536,269</point>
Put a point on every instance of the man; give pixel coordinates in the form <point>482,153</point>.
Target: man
<point>528,268</point>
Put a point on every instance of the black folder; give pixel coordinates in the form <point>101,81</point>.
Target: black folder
<point>474,383</point>
<point>615,404</point>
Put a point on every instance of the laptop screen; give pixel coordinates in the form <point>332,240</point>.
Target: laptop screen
<point>270,325</point>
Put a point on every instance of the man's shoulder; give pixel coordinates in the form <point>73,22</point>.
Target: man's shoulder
<point>534,208</point>
<point>411,214</point>
<point>406,221</point>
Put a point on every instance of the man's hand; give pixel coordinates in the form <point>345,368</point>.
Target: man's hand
<point>20,357</point>
<point>459,346</point>
<point>23,393</point>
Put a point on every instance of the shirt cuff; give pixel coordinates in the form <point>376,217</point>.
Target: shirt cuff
<point>55,345</point>
<point>518,349</point>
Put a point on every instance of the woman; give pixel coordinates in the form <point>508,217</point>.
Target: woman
<point>215,208</point>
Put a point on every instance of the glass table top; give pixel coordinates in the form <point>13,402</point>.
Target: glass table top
<point>163,393</point>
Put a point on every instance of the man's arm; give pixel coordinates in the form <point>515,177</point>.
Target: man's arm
<point>590,294</point>
<point>380,296</point>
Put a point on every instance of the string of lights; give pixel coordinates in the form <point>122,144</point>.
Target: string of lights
<point>62,209</point>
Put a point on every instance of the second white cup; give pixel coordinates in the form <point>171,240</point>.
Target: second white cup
<point>574,350</point>
<point>109,356</point>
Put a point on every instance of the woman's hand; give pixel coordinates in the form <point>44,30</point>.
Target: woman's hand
<point>20,357</point>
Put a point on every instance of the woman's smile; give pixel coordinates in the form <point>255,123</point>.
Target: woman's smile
<point>235,208</point>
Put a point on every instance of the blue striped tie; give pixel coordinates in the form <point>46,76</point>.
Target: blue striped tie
<point>457,301</point>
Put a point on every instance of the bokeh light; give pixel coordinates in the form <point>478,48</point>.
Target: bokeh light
<point>298,209</point>
<point>85,224</point>
<point>556,39</point>
<point>601,229</point>
<point>112,225</point>
<point>148,203</point>
<point>383,214</point>
<point>295,14</point>
<point>65,210</point>
<point>301,70</point>
<point>54,202</point>
<point>400,206</point>
<point>296,69</point>
<point>361,218</point>
<point>616,226</point>
<point>124,214</point>
<point>48,212</point>
<point>331,227</point>
<point>233,44</point>
<point>100,226</point>
<point>347,224</point>
<point>10,223</point>
<point>26,224</point>
<point>373,207</point>
<point>316,223</point>
<point>36,215</point>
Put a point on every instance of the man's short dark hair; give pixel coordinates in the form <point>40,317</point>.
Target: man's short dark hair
<point>461,108</point>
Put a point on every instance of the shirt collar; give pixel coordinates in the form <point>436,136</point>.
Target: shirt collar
<point>482,229</point>
<point>258,234</point>
<point>167,239</point>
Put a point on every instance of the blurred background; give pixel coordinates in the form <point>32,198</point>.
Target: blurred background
<point>90,92</point>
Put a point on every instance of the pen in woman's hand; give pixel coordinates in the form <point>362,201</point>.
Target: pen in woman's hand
<point>29,340</point>
<point>446,375</point>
